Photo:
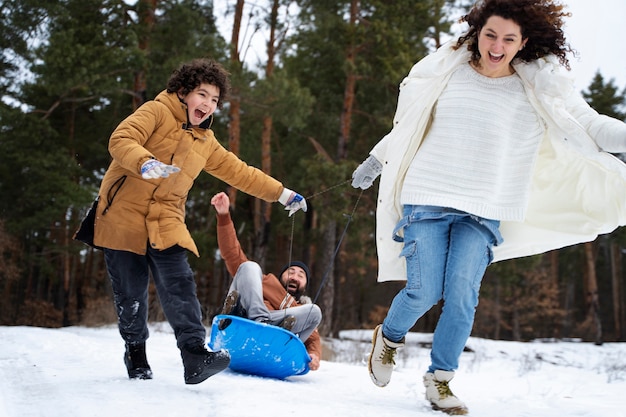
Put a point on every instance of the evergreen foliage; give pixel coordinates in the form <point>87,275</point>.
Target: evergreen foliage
<point>71,70</point>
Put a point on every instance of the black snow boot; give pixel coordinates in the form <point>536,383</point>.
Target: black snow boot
<point>200,364</point>
<point>136,362</point>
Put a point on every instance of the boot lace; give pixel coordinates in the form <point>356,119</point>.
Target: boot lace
<point>443,389</point>
<point>387,355</point>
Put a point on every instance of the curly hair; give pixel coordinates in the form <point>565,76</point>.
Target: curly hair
<point>190,75</point>
<point>540,21</point>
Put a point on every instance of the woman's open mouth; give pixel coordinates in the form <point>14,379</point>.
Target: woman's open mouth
<point>495,57</point>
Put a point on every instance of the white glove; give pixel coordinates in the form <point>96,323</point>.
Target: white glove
<point>292,201</point>
<point>152,169</point>
<point>364,175</point>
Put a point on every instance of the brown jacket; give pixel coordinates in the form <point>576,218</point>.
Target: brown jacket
<point>133,211</point>
<point>274,294</point>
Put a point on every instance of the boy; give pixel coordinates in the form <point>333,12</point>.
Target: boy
<point>157,152</point>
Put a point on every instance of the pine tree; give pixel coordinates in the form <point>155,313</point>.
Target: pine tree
<point>606,98</point>
<point>76,83</point>
<point>352,55</point>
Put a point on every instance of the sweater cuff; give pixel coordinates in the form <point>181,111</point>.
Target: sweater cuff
<point>285,196</point>
<point>224,219</point>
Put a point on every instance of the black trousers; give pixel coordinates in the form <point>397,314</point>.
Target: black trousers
<point>176,288</point>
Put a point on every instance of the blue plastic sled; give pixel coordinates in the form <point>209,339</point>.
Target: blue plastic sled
<point>259,349</point>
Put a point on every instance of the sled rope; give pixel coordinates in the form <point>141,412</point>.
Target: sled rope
<point>332,187</point>
<point>332,260</point>
<point>343,234</point>
<point>293,218</point>
<point>293,223</point>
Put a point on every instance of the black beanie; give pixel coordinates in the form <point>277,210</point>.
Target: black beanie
<point>301,265</point>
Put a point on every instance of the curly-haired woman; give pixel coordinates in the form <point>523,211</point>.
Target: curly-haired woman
<point>158,151</point>
<point>492,156</point>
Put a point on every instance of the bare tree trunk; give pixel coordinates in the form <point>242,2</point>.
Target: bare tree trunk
<point>439,16</point>
<point>616,273</point>
<point>593,304</point>
<point>327,293</point>
<point>497,312</point>
<point>330,232</point>
<point>145,10</point>
<point>554,278</point>
<point>264,212</point>
<point>65,231</point>
<point>516,331</point>
<point>568,307</point>
<point>234,128</point>
<point>345,121</point>
<point>10,273</point>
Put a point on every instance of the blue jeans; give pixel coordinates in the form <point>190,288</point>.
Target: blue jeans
<point>174,280</point>
<point>447,252</point>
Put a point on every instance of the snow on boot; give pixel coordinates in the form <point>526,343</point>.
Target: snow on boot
<point>201,364</point>
<point>136,362</point>
<point>232,305</point>
<point>439,394</point>
<point>381,360</point>
<point>287,323</point>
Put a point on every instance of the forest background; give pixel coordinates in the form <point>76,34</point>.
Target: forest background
<point>71,70</point>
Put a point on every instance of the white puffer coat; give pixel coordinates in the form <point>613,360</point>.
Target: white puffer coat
<point>578,190</point>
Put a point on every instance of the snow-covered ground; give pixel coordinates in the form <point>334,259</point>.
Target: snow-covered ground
<point>78,371</point>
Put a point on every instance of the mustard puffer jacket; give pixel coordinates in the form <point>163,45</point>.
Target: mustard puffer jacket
<point>134,212</point>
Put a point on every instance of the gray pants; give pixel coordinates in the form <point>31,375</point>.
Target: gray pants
<point>248,282</point>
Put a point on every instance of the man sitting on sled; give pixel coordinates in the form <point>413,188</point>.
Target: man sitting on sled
<point>266,298</point>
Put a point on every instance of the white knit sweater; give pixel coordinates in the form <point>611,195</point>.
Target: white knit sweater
<point>480,150</point>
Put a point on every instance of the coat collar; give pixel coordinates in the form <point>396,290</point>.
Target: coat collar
<point>179,110</point>
<point>545,78</point>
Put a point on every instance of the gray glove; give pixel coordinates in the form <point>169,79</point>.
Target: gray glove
<point>364,175</point>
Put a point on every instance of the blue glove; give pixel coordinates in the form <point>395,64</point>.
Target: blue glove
<point>364,175</point>
<point>152,169</point>
<point>292,201</point>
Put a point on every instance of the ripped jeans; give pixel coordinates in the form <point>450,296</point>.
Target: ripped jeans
<point>447,252</point>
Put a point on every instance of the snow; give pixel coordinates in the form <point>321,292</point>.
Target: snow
<point>78,371</point>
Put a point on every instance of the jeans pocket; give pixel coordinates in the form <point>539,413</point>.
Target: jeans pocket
<point>413,275</point>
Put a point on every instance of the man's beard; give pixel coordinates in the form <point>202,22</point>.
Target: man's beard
<point>297,293</point>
